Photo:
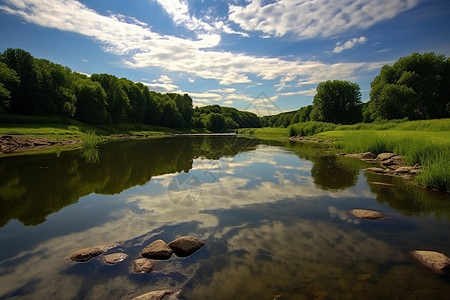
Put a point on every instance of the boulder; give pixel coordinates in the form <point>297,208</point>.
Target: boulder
<point>384,156</point>
<point>143,265</point>
<point>186,245</point>
<point>404,169</point>
<point>364,156</point>
<point>367,214</point>
<point>159,295</point>
<point>157,250</point>
<point>113,258</point>
<point>86,254</point>
<point>436,261</point>
<point>377,170</point>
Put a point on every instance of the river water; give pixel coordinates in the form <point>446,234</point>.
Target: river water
<point>274,217</point>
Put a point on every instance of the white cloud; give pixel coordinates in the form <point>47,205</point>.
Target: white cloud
<point>140,47</point>
<point>162,85</point>
<point>179,11</point>
<point>349,44</point>
<point>309,92</point>
<point>314,18</point>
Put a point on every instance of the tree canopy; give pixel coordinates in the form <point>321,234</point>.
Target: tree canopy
<point>414,87</point>
<point>33,86</point>
<point>337,102</point>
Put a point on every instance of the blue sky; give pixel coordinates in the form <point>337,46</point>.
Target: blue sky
<point>265,56</point>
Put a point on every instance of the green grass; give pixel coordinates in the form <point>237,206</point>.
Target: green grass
<point>429,149</point>
<point>312,128</point>
<point>266,133</point>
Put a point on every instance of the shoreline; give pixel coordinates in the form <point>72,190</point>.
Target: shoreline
<point>389,163</point>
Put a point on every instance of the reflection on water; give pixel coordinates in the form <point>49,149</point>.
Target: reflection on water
<point>274,219</point>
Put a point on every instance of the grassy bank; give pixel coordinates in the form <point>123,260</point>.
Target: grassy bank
<point>420,142</point>
<point>266,133</point>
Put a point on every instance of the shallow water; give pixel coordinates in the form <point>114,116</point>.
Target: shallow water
<point>274,218</point>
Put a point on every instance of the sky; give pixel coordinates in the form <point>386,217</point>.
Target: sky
<point>264,56</point>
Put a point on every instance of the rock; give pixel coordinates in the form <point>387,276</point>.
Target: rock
<point>404,169</point>
<point>384,156</point>
<point>382,183</point>
<point>114,258</point>
<point>186,245</point>
<point>157,250</point>
<point>365,155</point>
<point>436,261</point>
<point>143,265</point>
<point>377,170</point>
<point>159,295</point>
<point>365,277</point>
<point>367,214</point>
<point>86,254</point>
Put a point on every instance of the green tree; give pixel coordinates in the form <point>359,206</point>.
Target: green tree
<point>118,102</point>
<point>91,100</point>
<point>337,102</point>
<point>214,122</point>
<point>23,98</point>
<point>9,81</point>
<point>415,87</point>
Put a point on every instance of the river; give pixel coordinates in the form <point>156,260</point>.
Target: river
<point>274,217</point>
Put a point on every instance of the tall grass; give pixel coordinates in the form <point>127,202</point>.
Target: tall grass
<point>90,140</point>
<point>312,127</point>
<point>434,157</point>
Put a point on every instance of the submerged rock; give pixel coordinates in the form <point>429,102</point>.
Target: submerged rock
<point>114,258</point>
<point>377,170</point>
<point>157,250</point>
<point>186,245</point>
<point>159,295</point>
<point>88,253</point>
<point>143,265</point>
<point>436,261</point>
<point>363,156</point>
<point>367,214</point>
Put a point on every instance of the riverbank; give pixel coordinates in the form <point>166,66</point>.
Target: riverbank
<point>420,143</point>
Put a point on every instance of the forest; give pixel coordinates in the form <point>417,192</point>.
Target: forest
<point>38,87</point>
<point>416,87</point>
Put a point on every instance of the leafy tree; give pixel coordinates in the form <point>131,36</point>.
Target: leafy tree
<point>338,102</point>
<point>169,115</point>
<point>415,87</point>
<point>24,96</point>
<point>118,102</point>
<point>91,100</point>
<point>214,122</point>
<point>9,81</point>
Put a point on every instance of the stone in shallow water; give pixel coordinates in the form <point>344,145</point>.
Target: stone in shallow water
<point>438,262</point>
<point>159,295</point>
<point>157,250</point>
<point>88,253</point>
<point>186,245</point>
<point>114,258</point>
<point>367,214</point>
<point>143,265</point>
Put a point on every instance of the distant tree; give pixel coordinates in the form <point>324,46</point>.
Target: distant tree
<point>23,98</point>
<point>91,100</point>
<point>9,81</point>
<point>184,106</point>
<point>118,102</point>
<point>415,87</point>
<point>337,102</point>
<point>214,122</point>
<point>169,115</point>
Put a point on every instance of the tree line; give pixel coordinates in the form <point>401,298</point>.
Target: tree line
<point>415,87</point>
<point>30,86</point>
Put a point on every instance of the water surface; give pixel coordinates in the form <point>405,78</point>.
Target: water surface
<point>274,218</point>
